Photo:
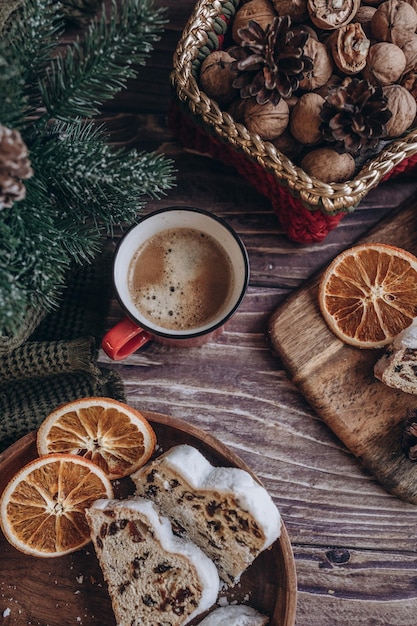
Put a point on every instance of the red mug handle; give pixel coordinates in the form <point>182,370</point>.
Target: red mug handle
<point>124,338</point>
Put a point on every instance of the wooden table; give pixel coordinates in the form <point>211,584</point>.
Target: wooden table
<point>354,544</point>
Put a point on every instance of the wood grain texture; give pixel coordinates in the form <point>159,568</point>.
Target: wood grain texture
<point>338,380</point>
<point>239,390</point>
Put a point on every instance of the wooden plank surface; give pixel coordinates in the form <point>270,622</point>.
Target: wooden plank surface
<point>237,389</point>
<point>338,380</point>
<point>354,542</point>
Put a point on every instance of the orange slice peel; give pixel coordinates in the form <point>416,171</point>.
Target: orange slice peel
<point>110,433</point>
<point>42,508</point>
<point>368,294</point>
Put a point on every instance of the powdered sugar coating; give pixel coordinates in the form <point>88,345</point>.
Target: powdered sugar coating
<point>206,569</point>
<point>235,615</point>
<point>407,338</point>
<point>250,495</point>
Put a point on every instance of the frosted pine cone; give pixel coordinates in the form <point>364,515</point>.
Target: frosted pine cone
<point>354,116</point>
<point>270,62</point>
<point>14,167</point>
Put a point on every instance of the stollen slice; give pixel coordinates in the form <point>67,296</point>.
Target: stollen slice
<point>153,577</point>
<point>222,509</point>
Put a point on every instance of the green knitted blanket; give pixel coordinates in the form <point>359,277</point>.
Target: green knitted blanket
<point>53,359</point>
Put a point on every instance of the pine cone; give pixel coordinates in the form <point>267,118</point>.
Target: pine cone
<point>354,116</point>
<point>14,167</point>
<point>270,63</point>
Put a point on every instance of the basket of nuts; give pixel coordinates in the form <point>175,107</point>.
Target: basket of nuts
<point>312,101</point>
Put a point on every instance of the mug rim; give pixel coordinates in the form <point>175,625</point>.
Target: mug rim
<point>178,335</point>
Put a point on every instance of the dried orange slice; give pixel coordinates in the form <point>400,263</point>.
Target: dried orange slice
<point>368,294</point>
<point>43,507</point>
<point>110,433</point>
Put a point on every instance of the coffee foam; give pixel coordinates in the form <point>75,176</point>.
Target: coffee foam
<point>180,279</point>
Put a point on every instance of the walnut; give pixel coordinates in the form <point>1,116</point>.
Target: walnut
<point>403,107</point>
<point>410,52</point>
<point>296,9</point>
<point>322,65</point>
<point>291,101</point>
<point>216,77</point>
<point>385,63</point>
<point>409,82</point>
<point>266,120</point>
<point>363,17</point>
<point>413,3</point>
<point>305,28</point>
<point>394,21</point>
<point>288,145</point>
<point>305,119</point>
<point>331,14</point>
<point>349,46</point>
<point>237,109</point>
<point>334,81</point>
<point>262,11</point>
<point>328,165</point>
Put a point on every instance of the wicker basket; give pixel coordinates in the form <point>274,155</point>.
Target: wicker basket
<point>307,208</point>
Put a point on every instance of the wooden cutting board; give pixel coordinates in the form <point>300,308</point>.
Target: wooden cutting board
<point>337,380</point>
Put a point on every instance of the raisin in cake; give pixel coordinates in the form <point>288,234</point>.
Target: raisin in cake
<point>235,615</point>
<point>221,509</point>
<point>397,368</point>
<point>153,577</point>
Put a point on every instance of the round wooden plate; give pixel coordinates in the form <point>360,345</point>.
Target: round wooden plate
<point>70,590</point>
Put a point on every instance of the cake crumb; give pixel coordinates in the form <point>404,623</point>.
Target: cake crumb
<point>6,612</point>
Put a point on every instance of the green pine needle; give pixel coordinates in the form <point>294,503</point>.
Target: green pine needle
<point>32,260</point>
<point>25,52</point>
<point>96,184</point>
<point>82,187</point>
<point>98,66</point>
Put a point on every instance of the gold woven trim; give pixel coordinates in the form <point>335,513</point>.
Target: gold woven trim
<point>332,198</point>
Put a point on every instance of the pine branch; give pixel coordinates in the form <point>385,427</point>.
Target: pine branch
<point>12,103</point>
<point>97,67</point>
<point>93,183</point>
<point>81,187</point>
<point>11,292</point>
<point>25,50</point>
<point>33,262</point>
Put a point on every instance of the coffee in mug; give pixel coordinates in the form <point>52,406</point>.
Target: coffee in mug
<point>179,275</point>
<point>181,278</point>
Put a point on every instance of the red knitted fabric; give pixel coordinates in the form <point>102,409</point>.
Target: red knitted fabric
<point>300,224</point>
